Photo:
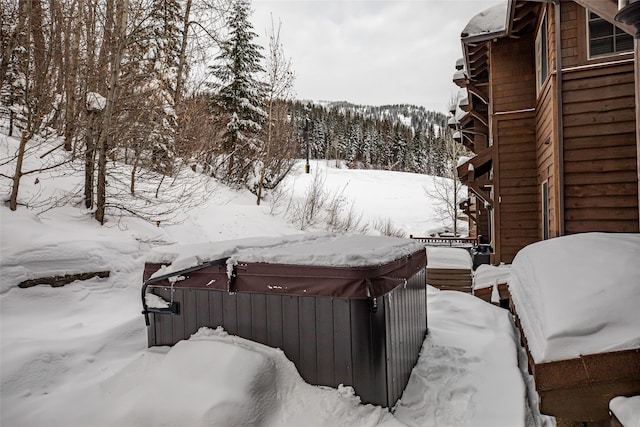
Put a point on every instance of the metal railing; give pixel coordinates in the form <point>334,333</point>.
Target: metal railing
<point>447,241</point>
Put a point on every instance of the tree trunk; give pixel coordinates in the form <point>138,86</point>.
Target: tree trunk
<point>71,77</point>
<point>39,51</point>
<point>177,97</point>
<point>268,147</point>
<point>137,152</point>
<point>101,191</point>
<point>90,159</point>
<point>117,51</point>
<point>105,48</point>
<point>13,199</point>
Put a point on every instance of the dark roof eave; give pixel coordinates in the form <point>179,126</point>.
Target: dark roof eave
<point>484,37</point>
<point>511,7</point>
<point>511,4</point>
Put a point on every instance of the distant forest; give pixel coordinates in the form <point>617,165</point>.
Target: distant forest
<point>393,137</point>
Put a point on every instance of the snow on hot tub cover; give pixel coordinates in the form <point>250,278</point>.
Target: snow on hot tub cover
<point>310,264</point>
<point>578,295</point>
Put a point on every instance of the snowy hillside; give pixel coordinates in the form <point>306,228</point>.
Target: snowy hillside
<point>76,355</point>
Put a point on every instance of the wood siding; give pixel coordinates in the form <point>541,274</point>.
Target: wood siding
<point>637,82</point>
<point>516,183</point>
<point>600,149</point>
<point>589,157</point>
<point>546,146</point>
<point>450,279</point>
<point>512,75</point>
<point>516,206</point>
<point>574,43</point>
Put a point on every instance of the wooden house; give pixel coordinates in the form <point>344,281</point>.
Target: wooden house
<point>552,112</point>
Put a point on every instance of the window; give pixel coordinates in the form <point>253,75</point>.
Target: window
<point>605,38</point>
<point>545,210</point>
<point>541,54</point>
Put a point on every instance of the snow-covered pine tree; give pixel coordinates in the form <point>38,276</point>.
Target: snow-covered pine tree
<point>164,57</point>
<point>368,143</point>
<point>14,65</point>
<point>238,97</point>
<point>149,79</point>
<point>318,139</point>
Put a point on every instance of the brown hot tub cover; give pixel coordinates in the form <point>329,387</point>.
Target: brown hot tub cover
<point>380,264</point>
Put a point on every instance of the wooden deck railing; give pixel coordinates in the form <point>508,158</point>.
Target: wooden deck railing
<point>447,241</point>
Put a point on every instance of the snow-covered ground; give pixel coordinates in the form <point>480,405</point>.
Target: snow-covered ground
<point>76,355</point>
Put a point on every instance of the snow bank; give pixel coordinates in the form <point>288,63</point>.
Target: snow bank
<point>487,275</point>
<point>211,379</point>
<point>449,258</point>
<point>578,294</point>
<point>491,21</point>
<point>467,374</point>
<point>306,249</point>
<point>627,410</point>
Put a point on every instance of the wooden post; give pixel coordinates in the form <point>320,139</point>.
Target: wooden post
<point>637,81</point>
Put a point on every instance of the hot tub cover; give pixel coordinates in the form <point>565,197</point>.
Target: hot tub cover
<point>312,264</point>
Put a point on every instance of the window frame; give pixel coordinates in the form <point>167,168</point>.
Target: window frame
<point>541,48</point>
<point>617,33</point>
<point>545,214</point>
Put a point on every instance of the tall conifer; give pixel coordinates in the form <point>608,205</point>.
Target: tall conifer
<point>239,94</point>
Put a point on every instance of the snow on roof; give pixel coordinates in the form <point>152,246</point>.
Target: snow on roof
<point>487,275</point>
<point>448,258</point>
<point>460,114</point>
<point>321,249</point>
<point>491,21</point>
<point>460,75</point>
<point>578,295</point>
<point>463,159</point>
<point>626,410</point>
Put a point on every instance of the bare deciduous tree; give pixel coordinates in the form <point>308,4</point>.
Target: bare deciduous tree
<point>448,191</point>
<point>31,59</point>
<point>279,85</point>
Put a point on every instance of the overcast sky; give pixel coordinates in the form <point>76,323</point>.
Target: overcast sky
<point>372,52</point>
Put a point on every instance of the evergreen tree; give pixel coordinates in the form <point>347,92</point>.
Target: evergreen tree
<point>418,149</point>
<point>239,95</point>
<point>317,139</point>
<point>149,79</point>
<point>14,66</point>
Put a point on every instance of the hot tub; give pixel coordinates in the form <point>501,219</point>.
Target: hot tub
<point>344,309</point>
